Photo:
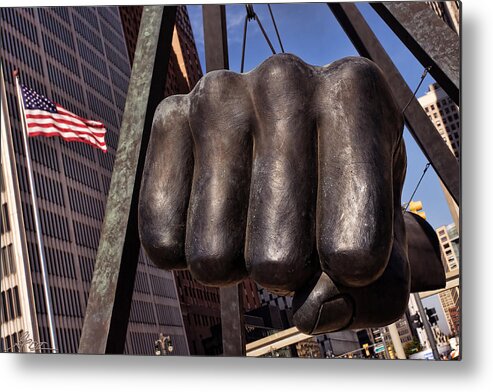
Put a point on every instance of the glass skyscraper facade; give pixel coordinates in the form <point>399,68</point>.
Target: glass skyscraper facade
<point>77,57</point>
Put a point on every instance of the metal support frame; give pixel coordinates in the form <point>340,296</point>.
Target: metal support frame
<point>110,298</point>
<point>428,38</point>
<point>422,129</point>
<point>108,308</point>
<point>216,57</point>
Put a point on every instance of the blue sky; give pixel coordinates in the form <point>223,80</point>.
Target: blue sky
<point>311,32</point>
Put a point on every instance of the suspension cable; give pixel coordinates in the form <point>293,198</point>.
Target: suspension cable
<point>425,72</point>
<point>275,27</point>
<point>417,185</point>
<point>251,15</point>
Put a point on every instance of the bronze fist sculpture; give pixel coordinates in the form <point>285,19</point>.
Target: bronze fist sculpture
<point>290,174</point>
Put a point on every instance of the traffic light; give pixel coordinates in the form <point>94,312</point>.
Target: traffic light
<point>432,316</point>
<point>367,351</point>
<point>416,321</point>
<point>377,335</point>
<point>416,207</point>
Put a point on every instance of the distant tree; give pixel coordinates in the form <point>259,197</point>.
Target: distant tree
<point>413,347</point>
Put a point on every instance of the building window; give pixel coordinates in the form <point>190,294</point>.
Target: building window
<point>5,222</point>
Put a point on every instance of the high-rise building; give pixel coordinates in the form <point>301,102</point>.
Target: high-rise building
<point>449,12</point>
<point>449,299</point>
<point>17,317</point>
<point>444,114</point>
<point>404,330</point>
<point>76,56</point>
<point>448,238</point>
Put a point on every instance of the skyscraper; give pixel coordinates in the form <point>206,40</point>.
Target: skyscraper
<point>449,299</point>
<point>77,56</point>
<point>444,114</point>
<point>449,12</point>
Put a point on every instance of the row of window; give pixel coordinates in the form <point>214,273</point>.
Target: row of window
<point>62,13</point>
<point>141,284</point>
<point>199,293</point>
<point>85,204</point>
<point>142,312</point>
<point>97,83</point>
<point>120,99</point>
<point>112,139</point>
<point>60,263</point>
<point>55,51</point>
<point>52,224</point>
<point>86,267</point>
<point>114,39</point>
<point>202,320</point>
<point>5,221</point>
<point>107,160</point>
<point>92,57</point>
<point>65,302</point>
<point>60,31</point>
<point>25,56</point>
<point>89,15</point>
<point>118,58</point>
<point>42,153</point>
<point>8,262</point>
<point>2,181</point>
<point>11,305</point>
<point>86,235</point>
<point>162,287</point>
<point>48,189</point>
<point>88,34</point>
<point>68,85</point>
<point>120,81</point>
<point>11,343</point>
<point>112,17</point>
<point>104,111</point>
<point>106,183</point>
<point>80,172</point>
<point>168,315</point>
<point>68,339</point>
<point>15,18</point>
<point>86,150</point>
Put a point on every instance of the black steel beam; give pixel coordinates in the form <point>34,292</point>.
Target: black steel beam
<point>110,298</point>
<point>428,38</point>
<point>418,123</point>
<point>216,57</point>
<point>215,37</point>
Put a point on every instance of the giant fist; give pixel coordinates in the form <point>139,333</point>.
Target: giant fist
<point>290,174</point>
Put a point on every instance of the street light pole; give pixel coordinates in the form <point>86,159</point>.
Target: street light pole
<point>426,324</point>
<point>163,346</point>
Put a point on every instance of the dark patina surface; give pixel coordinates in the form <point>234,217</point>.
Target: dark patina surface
<point>290,174</point>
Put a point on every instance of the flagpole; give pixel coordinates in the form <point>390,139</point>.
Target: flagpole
<point>39,235</point>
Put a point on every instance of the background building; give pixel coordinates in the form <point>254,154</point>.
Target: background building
<point>76,56</point>
<point>449,12</point>
<point>444,114</point>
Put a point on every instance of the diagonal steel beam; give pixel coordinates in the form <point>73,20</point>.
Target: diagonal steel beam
<point>216,57</point>
<point>418,123</point>
<point>110,298</point>
<point>428,38</point>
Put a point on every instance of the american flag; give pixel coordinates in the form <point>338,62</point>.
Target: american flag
<point>46,118</point>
